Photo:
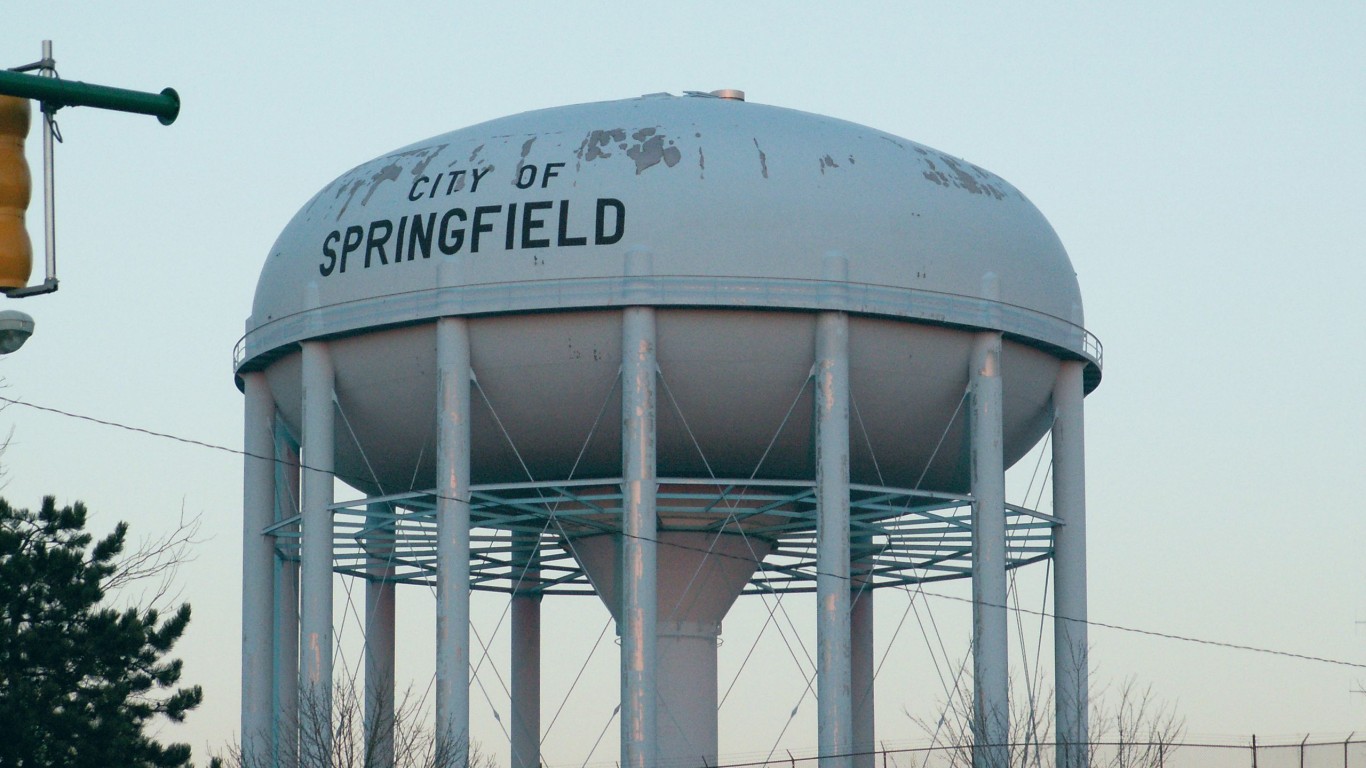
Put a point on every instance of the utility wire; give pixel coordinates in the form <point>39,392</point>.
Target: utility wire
<point>846,577</point>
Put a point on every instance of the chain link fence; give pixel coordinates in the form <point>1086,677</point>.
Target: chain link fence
<point>1309,752</point>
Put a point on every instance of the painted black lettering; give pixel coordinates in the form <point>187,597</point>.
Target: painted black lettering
<point>600,235</point>
<point>373,243</point>
<point>526,176</point>
<point>478,226</point>
<point>350,243</point>
<point>511,229</point>
<point>420,236</point>
<point>550,173</point>
<point>436,184</point>
<point>457,182</point>
<point>413,194</point>
<point>530,223</point>
<point>478,174</point>
<point>331,255</point>
<point>398,240</point>
<point>452,238</point>
<point>564,238</point>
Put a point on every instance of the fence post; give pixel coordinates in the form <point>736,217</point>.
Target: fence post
<point>1306,738</point>
<point>1254,750</point>
<point>1344,748</point>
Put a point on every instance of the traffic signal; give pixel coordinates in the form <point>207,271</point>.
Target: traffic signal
<point>16,187</point>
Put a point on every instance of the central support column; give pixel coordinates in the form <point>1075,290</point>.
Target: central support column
<point>639,595</point>
<point>1071,669</point>
<point>258,571</point>
<point>453,536</point>
<point>315,695</point>
<point>833,664</point>
<point>526,653</point>
<point>991,708</point>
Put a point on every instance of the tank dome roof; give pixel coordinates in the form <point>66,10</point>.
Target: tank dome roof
<point>692,200</point>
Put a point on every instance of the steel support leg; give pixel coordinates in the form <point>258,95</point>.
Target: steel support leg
<point>639,594</point>
<point>833,672</point>
<point>991,706</point>
<point>1071,669</point>
<point>526,654</point>
<point>315,717</point>
<point>453,537</point>
<point>258,572</point>
<point>861,665</point>
<point>286,704</point>
<point>379,640</point>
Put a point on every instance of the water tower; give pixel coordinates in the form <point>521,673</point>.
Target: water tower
<point>665,350</point>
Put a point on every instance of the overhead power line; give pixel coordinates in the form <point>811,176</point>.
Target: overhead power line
<point>1040,613</point>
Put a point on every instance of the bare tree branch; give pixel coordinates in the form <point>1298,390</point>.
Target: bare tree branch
<point>414,742</point>
<point>156,561</point>
<point>1137,731</point>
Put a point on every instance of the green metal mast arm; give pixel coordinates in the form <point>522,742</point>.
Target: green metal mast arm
<point>55,93</point>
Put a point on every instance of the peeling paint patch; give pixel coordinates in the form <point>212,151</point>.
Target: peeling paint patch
<point>476,152</point>
<point>975,180</point>
<point>389,172</point>
<point>651,150</point>
<point>350,191</point>
<point>893,141</point>
<point>521,161</point>
<point>349,186</point>
<point>591,148</point>
<point>763,159</point>
<point>935,175</point>
<point>828,162</point>
<point>421,166</point>
<point>702,163</point>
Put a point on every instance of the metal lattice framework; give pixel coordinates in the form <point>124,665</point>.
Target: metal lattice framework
<point>899,536</point>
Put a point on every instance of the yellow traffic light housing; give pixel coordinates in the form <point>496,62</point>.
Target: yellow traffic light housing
<point>17,87</point>
<point>16,189</point>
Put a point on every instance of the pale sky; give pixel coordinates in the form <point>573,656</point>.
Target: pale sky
<point>1202,163</point>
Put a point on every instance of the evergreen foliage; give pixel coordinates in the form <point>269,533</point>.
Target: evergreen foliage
<point>80,681</point>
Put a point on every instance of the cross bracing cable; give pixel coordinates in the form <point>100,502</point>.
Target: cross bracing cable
<point>572,685</point>
<point>569,542</point>
<point>1247,647</point>
<point>791,716</point>
<point>552,517</point>
<point>474,674</point>
<point>730,516</point>
<point>949,705</point>
<point>942,536</point>
<point>1013,595</point>
<point>615,711</point>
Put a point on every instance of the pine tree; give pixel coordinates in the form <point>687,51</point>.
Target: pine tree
<point>80,681</point>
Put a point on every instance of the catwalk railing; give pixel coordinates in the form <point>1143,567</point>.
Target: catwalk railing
<point>1252,752</point>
